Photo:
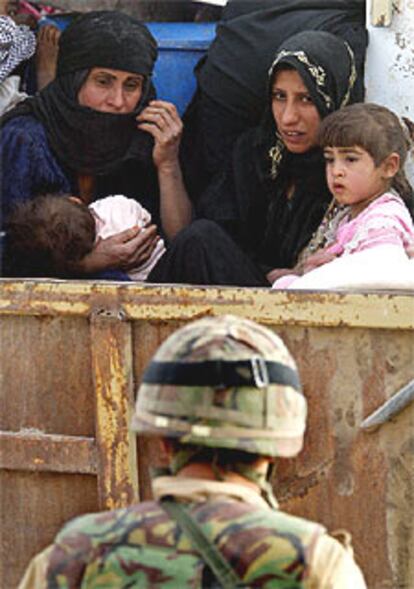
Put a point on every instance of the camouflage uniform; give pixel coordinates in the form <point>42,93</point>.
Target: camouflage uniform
<point>262,412</point>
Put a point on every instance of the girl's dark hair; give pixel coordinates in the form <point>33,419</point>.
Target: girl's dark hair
<point>48,235</point>
<point>375,129</point>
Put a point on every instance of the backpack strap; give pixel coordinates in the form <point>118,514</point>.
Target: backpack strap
<point>224,573</point>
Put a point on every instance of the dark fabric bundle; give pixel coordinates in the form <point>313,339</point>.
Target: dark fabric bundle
<point>235,73</point>
<point>249,199</point>
<point>85,140</point>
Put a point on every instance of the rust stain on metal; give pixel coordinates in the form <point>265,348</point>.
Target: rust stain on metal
<point>397,442</point>
<point>112,365</point>
<point>110,428</point>
<point>353,350</point>
<point>294,486</point>
<point>45,375</point>
<point>342,478</point>
<point>34,451</point>
<point>394,310</point>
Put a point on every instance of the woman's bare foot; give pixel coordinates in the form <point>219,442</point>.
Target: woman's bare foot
<point>46,55</point>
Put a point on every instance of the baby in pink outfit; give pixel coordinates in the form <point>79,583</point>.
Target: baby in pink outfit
<point>114,214</point>
<point>365,149</point>
<point>52,233</point>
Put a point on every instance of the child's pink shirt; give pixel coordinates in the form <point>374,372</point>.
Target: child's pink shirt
<point>385,221</point>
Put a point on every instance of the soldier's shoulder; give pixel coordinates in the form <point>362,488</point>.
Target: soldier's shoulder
<point>109,524</point>
<point>241,515</point>
<point>282,543</point>
<point>293,522</point>
<point>131,547</point>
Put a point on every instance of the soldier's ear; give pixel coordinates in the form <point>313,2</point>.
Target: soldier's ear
<point>166,448</point>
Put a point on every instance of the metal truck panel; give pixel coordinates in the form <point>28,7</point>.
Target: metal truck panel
<point>72,354</point>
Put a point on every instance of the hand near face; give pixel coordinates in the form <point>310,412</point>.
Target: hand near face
<point>163,122</point>
<point>123,251</point>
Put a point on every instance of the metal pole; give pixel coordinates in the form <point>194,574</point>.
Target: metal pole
<point>390,408</point>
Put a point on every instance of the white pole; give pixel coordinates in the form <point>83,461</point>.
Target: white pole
<point>390,59</point>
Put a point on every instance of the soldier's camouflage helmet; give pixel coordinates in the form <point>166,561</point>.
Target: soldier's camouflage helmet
<point>224,382</point>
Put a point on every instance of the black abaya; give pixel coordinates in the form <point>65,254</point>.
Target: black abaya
<point>204,254</point>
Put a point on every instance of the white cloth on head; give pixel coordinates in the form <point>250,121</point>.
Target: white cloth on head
<point>117,213</point>
<point>17,44</point>
<point>10,94</point>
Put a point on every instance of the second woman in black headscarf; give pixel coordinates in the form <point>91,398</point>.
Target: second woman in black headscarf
<point>272,197</point>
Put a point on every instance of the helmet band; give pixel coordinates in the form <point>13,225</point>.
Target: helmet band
<point>255,372</point>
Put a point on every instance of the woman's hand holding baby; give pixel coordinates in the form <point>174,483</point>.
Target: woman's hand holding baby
<point>122,251</point>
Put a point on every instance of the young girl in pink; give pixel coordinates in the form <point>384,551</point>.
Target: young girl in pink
<point>365,150</point>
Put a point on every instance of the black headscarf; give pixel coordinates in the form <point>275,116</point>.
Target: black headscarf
<point>327,67</point>
<point>253,30</point>
<point>232,80</point>
<point>250,198</point>
<point>85,140</point>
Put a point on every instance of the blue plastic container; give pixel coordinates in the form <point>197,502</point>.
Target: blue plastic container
<point>180,47</point>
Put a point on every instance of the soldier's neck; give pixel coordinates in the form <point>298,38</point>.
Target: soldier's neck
<point>201,470</point>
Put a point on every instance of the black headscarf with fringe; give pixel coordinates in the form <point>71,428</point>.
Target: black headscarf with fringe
<point>250,197</point>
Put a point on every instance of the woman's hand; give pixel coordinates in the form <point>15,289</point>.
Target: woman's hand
<point>315,260</point>
<point>410,251</point>
<point>46,55</point>
<point>123,251</point>
<point>277,273</point>
<point>162,121</point>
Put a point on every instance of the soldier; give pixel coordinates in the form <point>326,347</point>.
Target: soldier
<point>224,396</point>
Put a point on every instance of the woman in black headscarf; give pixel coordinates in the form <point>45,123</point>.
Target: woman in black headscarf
<point>267,204</point>
<point>97,130</point>
<point>232,80</point>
